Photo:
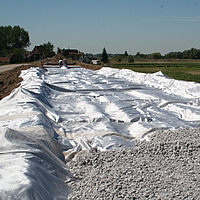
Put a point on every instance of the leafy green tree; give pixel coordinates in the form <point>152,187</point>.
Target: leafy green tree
<point>58,50</point>
<point>19,53</point>
<point>104,56</point>
<point>118,59</point>
<point>193,53</point>
<point>5,40</point>
<point>19,38</point>
<point>170,55</point>
<point>130,58</point>
<point>187,54</point>
<point>125,54</point>
<point>179,55</point>
<point>13,38</point>
<point>155,55</point>
<point>49,48</point>
<point>137,55</point>
<point>174,55</point>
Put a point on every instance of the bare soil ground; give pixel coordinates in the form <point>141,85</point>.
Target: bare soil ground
<point>10,79</point>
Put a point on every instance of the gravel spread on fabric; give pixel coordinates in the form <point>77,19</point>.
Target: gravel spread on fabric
<point>166,167</point>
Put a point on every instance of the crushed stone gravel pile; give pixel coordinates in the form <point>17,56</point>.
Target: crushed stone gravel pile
<point>166,167</point>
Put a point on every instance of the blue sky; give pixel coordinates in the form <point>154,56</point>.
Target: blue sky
<point>89,25</point>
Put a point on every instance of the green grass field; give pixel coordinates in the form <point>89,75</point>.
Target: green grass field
<point>188,71</point>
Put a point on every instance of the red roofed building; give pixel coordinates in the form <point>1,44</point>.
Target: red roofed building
<point>37,53</point>
<point>10,58</point>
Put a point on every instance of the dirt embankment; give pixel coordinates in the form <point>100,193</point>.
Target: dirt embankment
<point>10,80</point>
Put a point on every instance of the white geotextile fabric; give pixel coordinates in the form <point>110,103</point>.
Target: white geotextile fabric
<point>57,113</point>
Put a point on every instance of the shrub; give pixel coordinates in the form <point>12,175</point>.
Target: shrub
<point>118,59</point>
<point>130,58</point>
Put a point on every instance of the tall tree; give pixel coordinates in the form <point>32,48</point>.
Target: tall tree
<point>49,47</point>
<point>58,50</point>
<point>19,38</point>
<point>125,54</point>
<point>12,39</point>
<point>130,58</point>
<point>156,55</point>
<point>104,56</point>
<point>5,39</point>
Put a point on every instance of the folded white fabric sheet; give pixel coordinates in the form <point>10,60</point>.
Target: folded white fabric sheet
<point>57,114</point>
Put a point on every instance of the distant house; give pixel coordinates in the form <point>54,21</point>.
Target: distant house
<point>84,59</point>
<point>37,53</point>
<point>96,62</point>
<point>10,58</point>
<point>26,55</point>
<point>74,56</point>
<point>66,52</point>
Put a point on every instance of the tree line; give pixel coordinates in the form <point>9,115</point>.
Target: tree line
<point>186,54</point>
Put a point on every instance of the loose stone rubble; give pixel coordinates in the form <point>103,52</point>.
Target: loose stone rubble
<point>167,167</point>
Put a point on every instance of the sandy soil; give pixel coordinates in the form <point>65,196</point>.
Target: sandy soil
<point>10,79</point>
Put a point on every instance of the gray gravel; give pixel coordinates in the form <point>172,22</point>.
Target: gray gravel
<point>167,167</point>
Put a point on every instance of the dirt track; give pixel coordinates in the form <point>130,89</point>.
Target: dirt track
<point>4,68</point>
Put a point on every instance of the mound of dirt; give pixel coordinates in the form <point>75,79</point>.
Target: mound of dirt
<point>57,57</point>
<point>10,79</point>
